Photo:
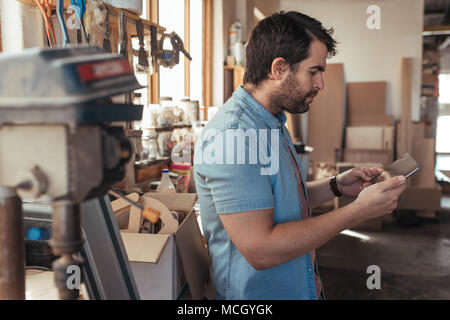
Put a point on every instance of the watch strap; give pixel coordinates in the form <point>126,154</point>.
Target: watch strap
<point>334,187</point>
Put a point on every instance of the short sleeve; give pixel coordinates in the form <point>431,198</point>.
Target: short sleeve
<point>233,184</point>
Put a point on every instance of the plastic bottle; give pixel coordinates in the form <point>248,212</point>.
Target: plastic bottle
<point>232,35</point>
<point>238,26</point>
<point>165,185</point>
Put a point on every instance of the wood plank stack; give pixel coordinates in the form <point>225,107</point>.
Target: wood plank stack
<point>326,116</point>
<point>369,135</point>
<point>422,193</point>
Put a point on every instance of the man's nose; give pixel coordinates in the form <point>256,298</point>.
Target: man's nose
<point>319,84</point>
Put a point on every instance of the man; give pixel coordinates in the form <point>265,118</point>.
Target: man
<point>256,214</point>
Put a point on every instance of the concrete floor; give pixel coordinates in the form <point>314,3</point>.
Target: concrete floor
<point>414,261</point>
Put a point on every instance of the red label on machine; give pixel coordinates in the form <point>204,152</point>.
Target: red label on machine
<point>105,69</point>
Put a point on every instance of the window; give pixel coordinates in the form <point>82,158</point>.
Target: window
<point>196,37</point>
<point>185,18</point>
<point>443,124</point>
<point>442,134</point>
<point>171,16</point>
<point>444,88</point>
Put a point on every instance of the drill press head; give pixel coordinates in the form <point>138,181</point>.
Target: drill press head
<point>63,76</point>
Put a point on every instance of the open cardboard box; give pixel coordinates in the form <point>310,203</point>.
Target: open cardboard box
<point>163,263</point>
<point>421,198</point>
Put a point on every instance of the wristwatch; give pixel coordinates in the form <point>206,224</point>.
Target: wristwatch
<point>334,187</point>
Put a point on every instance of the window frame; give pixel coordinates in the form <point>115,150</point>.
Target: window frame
<point>154,80</point>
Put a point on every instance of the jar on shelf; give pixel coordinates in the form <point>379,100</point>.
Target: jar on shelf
<point>178,115</point>
<point>152,145</point>
<point>143,156</point>
<point>165,144</point>
<point>137,98</point>
<point>166,117</point>
<point>150,115</point>
<point>185,105</point>
<point>193,111</point>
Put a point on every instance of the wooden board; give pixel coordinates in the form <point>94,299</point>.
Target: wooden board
<point>405,129</point>
<point>370,137</point>
<point>424,155</point>
<point>207,66</point>
<point>370,120</point>
<point>385,157</point>
<point>365,99</point>
<point>326,116</point>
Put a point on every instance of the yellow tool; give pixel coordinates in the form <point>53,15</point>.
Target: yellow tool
<point>148,213</point>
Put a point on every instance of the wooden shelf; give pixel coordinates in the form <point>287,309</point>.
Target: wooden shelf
<point>234,67</point>
<point>152,171</point>
<point>238,74</point>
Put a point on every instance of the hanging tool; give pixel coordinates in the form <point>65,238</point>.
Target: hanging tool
<point>46,9</point>
<point>154,46</point>
<point>142,55</point>
<point>147,212</point>
<point>170,58</point>
<point>123,45</point>
<point>80,10</point>
<point>60,13</point>
<point>107,39</point>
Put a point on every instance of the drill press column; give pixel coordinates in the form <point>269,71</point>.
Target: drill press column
<point>65,242</point>
<point>12,247</point>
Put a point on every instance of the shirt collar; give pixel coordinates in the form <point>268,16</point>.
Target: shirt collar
<point>273,121</point>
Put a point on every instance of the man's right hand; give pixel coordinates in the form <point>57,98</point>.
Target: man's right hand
<point>380,199</point>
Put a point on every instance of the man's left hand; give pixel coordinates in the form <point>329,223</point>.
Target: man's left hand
<point>353,181</point>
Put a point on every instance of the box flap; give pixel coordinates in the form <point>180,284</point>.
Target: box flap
<point>141,247</point>
<point>194,257</point>
<point>175,201</point>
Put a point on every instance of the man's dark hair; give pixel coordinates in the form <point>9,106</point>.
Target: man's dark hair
<point>287,35</point>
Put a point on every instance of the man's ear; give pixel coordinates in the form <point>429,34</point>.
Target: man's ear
<point>278,69</point>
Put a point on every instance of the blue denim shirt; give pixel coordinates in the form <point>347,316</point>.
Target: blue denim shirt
<point>227,184</point>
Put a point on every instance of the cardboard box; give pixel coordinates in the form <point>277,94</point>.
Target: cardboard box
<point>163,263</point>
<point>365,99</point>
<point>370,137</point>
<point>326,116</point>
<point>420,198</point>
<point>423,152</point>
<point>371,120</point>
<point>383,157</point>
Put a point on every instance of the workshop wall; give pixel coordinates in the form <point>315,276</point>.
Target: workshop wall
<point>373,55</point>
<point>225,12</point>
<point>243,10</point>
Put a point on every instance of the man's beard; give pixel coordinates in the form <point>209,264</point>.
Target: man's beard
<point>291,97</point>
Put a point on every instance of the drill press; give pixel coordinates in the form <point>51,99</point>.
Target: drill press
<point>56,144</point>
